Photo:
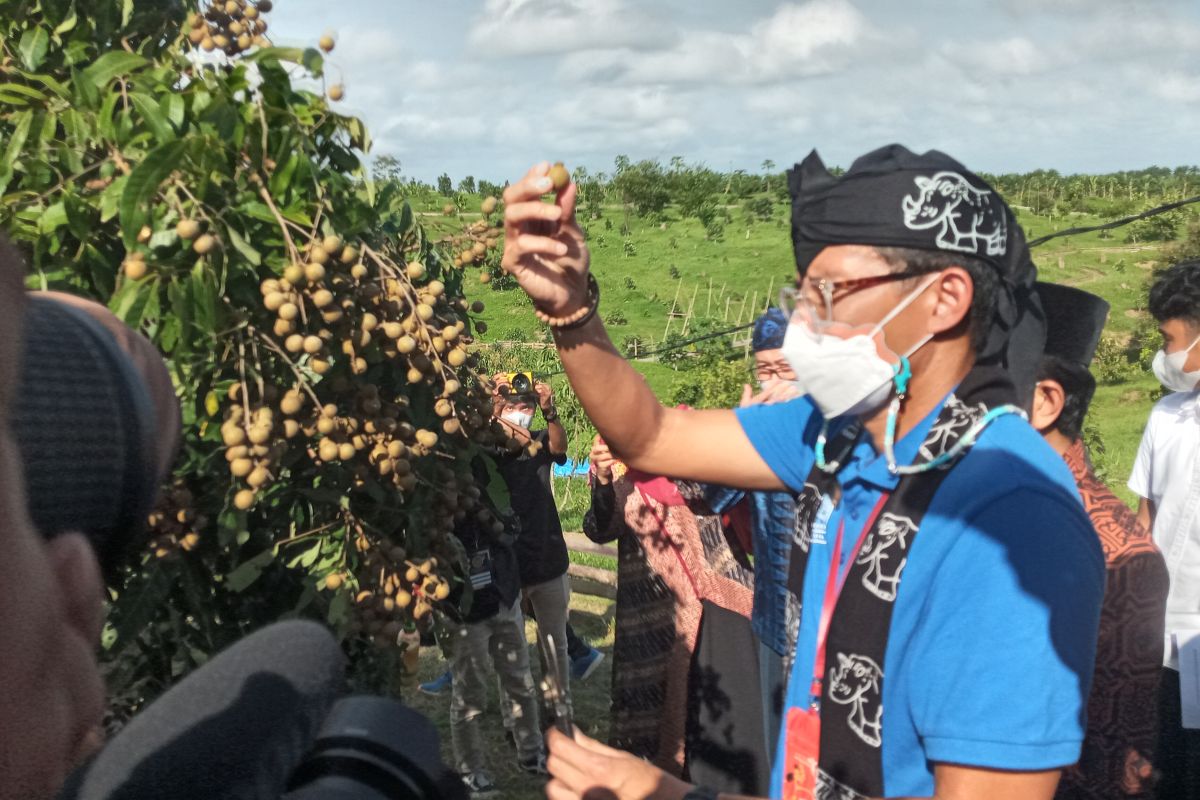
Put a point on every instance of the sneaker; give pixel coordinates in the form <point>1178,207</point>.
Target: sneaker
<point>534,766</point>
<point>436,686</point>
<point>479,784</point>
<point>583,667</point>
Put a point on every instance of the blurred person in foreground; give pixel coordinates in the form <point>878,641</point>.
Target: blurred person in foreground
<point>1118,750</point>
<point>950,580</point>
<point>776,615</point>
<point>51,603</point>
<point>1165,478</point>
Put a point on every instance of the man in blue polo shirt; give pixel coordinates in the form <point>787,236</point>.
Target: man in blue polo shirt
<point>950,581</point>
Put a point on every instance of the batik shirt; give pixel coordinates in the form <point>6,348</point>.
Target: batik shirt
<point>1122,709</point>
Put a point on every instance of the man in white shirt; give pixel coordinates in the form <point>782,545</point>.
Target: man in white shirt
<point>1166,476</point>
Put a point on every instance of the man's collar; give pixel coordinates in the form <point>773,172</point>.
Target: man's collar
<point>1189,406</point>
<point>872,466</point>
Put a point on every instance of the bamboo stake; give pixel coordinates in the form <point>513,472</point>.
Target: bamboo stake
<point>691,304</point>
<point>671,313</point>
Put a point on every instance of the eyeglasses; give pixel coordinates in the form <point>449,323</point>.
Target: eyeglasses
<point>769,373</point>
<point>814,297</point>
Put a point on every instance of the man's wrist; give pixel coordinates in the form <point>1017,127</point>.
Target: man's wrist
<point>550,414</point>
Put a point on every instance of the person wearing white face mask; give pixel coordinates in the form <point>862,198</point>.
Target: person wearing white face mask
<point>950,581</point>
<point>1166,476</point>
<point>541,549</point>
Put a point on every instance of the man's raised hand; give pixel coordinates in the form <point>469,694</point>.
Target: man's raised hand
<point>543,245</point>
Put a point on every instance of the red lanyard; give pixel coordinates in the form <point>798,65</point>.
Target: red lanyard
<point>833,590</point>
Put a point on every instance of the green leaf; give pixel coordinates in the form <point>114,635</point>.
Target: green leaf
<point>110,65</point>
<point>142,186</point>
<point>110,200</point>
<point>19,94</point>
<point>203,291</point>
<point>243,247</point>
<point>140,605</point>
<point>249,571</point>
<point>309,58</point>
<point>360,139</point>
<point>130,300</point>
<point>68,24</point>
<point>307,558</point>
<point>33,46</point>
<point>173,107</point>
<point>153,116</point>
<point>86,94</point>
<point>16,140</point>
<point>126,12</point>
<point>53,218</point>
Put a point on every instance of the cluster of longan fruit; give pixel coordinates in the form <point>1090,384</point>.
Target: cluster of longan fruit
<point>472,245</point>
<point>173,523</point>
<point>394,590</point>
<point>338,315</point>
<point>231,26</point>
<point>189,230</point>
<point>252,445</point>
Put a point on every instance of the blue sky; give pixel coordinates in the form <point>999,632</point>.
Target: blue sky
<point>486,87</point>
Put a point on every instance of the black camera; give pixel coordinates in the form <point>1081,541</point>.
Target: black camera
<point>521,383</point>
<point>374,748</point>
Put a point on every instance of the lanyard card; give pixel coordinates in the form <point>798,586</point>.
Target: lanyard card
<point>481,569</point>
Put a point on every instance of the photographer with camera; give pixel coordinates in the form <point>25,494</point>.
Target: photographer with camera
<point>50,606</point>
<point>541,549</point>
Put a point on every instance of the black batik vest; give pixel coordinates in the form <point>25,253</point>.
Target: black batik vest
<point>851,764</point>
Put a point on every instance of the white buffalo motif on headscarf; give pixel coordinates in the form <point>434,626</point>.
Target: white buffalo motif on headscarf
<point>855,682</point>
<point>968,216</point>
<point>884,552</point>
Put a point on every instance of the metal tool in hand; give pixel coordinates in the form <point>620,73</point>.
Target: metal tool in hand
<point>552,687</point>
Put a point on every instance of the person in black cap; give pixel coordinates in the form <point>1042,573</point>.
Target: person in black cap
<point>1118,750</point>
<point>950,580</point>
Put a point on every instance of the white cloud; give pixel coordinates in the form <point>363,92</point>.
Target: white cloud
<point>547,27</point>
<point>797,41</point>
<point>1178,87</point>
<point>486,87</point>
<point>1016,55</point>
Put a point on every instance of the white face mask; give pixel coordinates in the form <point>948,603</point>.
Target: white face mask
<point>1168,368</point>
<point>519,418</point>
<point>845,375</point>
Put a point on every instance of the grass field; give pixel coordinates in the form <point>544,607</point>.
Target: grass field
<point>672,259</point>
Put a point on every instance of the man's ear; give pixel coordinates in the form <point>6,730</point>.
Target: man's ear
<point>1047,405</point>
<point>952,292</point>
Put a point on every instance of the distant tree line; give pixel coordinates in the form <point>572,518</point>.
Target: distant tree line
<point>653,190</point>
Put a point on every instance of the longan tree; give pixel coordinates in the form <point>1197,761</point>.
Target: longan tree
<point>163,158</point>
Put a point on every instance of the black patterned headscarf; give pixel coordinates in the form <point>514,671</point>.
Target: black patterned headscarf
<point>892,197</point>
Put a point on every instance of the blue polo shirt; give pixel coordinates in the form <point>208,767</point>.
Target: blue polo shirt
<point>993,634</point>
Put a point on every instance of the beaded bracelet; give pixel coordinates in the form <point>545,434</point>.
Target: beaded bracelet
<point>578,318</point>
